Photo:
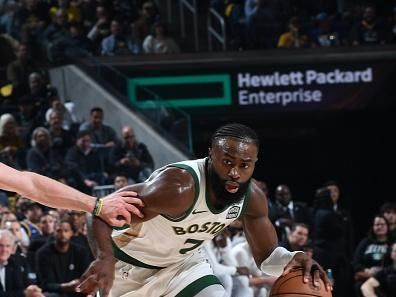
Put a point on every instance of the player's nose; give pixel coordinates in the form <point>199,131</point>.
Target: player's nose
<point>233,173</point>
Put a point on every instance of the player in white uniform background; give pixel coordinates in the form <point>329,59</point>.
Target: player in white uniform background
<point>187,204</point>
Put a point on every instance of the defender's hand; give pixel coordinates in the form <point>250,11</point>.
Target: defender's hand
<point>98,277</point>
<point>312,270</point>
<point>118,207</point>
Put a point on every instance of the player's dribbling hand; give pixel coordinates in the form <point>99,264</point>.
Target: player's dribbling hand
<point>98,277</point>
<point>312,270</point>
<point>118,208</point>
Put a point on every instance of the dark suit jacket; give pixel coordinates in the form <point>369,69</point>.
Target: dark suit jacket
<point>15,278</point>
<point>301,213</point>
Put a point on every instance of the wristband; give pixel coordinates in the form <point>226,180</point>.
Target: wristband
<point>98,206</point>
<point>278,259</point>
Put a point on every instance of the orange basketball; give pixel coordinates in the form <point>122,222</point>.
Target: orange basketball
<point>292,285</point>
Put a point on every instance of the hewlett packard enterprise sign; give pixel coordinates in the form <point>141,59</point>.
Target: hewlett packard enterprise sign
<point>298,87</point>
<point>280,88</point>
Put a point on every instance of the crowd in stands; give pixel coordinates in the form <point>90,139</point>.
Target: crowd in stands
<point>59,28</point>
<point>264,24</point>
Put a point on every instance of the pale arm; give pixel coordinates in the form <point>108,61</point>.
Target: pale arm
<point>116,207</point>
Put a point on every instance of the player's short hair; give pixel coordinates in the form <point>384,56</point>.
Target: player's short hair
<point>238,131</point>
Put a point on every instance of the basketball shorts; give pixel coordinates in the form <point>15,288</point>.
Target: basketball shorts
<point>188,278</point>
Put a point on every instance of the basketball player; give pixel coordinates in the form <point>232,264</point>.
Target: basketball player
<point>116,209</point>
<point>187,204</point>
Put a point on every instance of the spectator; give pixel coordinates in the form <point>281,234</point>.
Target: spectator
<point>32,212</point>
<point>19,70</point>
<point>28,118</point>
<point>41,94</point>
<point>31,18</point>
<point>56,35</point>
<point>79,224</point>
<point>384,281</point>
<point>370,253</point>
<point>332,233</point>
<point>370,29</point>
<point>78,44</point>
<point>62,139</point>
<point>61,263</point>
<point>71,7</point>
<point>11,145</point>
<point>16,229</point>
<point>65,109</point>
<point>15,281</point>
<point>297,237</point>
<point>101,29</point>
<point>295,37</point>
<point>285,211</point>
<point>323,34</point>
<point>160,42</point>
<point>119,43</point>
<point>101,134</point>
<point>41,158</point>
<point>120,181</point>
<point>147,16</point>
<point>47,227</point>
<point>87,160</point>
<point>132,157</point>
<point>388,210</point>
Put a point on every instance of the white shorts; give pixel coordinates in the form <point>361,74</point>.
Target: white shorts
<point>182,279</point>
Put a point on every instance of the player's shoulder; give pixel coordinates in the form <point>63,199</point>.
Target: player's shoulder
<point>258,204</point>
<point>169,191</point>
<point>179,176</point>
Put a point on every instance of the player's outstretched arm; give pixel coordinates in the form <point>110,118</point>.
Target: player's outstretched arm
<point>115,210</point>
<point>263,242</point>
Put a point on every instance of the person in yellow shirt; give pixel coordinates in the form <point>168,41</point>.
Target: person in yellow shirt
<point>294,38</point>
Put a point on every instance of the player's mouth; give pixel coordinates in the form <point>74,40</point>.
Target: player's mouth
<point>231,187</point>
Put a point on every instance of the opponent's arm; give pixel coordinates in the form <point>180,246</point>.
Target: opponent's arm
<point>116,207</point>
<point>171,192</point>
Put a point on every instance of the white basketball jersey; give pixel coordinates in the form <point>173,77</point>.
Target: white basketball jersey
<point>163,241</point>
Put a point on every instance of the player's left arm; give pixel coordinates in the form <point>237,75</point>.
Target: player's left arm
<point>262,238</point>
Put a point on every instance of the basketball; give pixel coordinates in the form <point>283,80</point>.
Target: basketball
<point>292,285</point>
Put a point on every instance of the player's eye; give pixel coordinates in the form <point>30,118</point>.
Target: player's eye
<point>245,166</point>
<point>227,162</point>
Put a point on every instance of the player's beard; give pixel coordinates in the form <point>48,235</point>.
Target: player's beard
<point>223,197</point>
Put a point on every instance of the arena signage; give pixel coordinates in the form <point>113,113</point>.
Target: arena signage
<point>280,88</point>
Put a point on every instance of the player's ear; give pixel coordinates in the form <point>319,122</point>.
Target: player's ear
<point>210,152</point>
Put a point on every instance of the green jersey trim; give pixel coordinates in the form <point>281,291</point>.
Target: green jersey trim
<point>122,256</point>
<point>196,182</point>
<point>197,286</point>
<point>126,226</point>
